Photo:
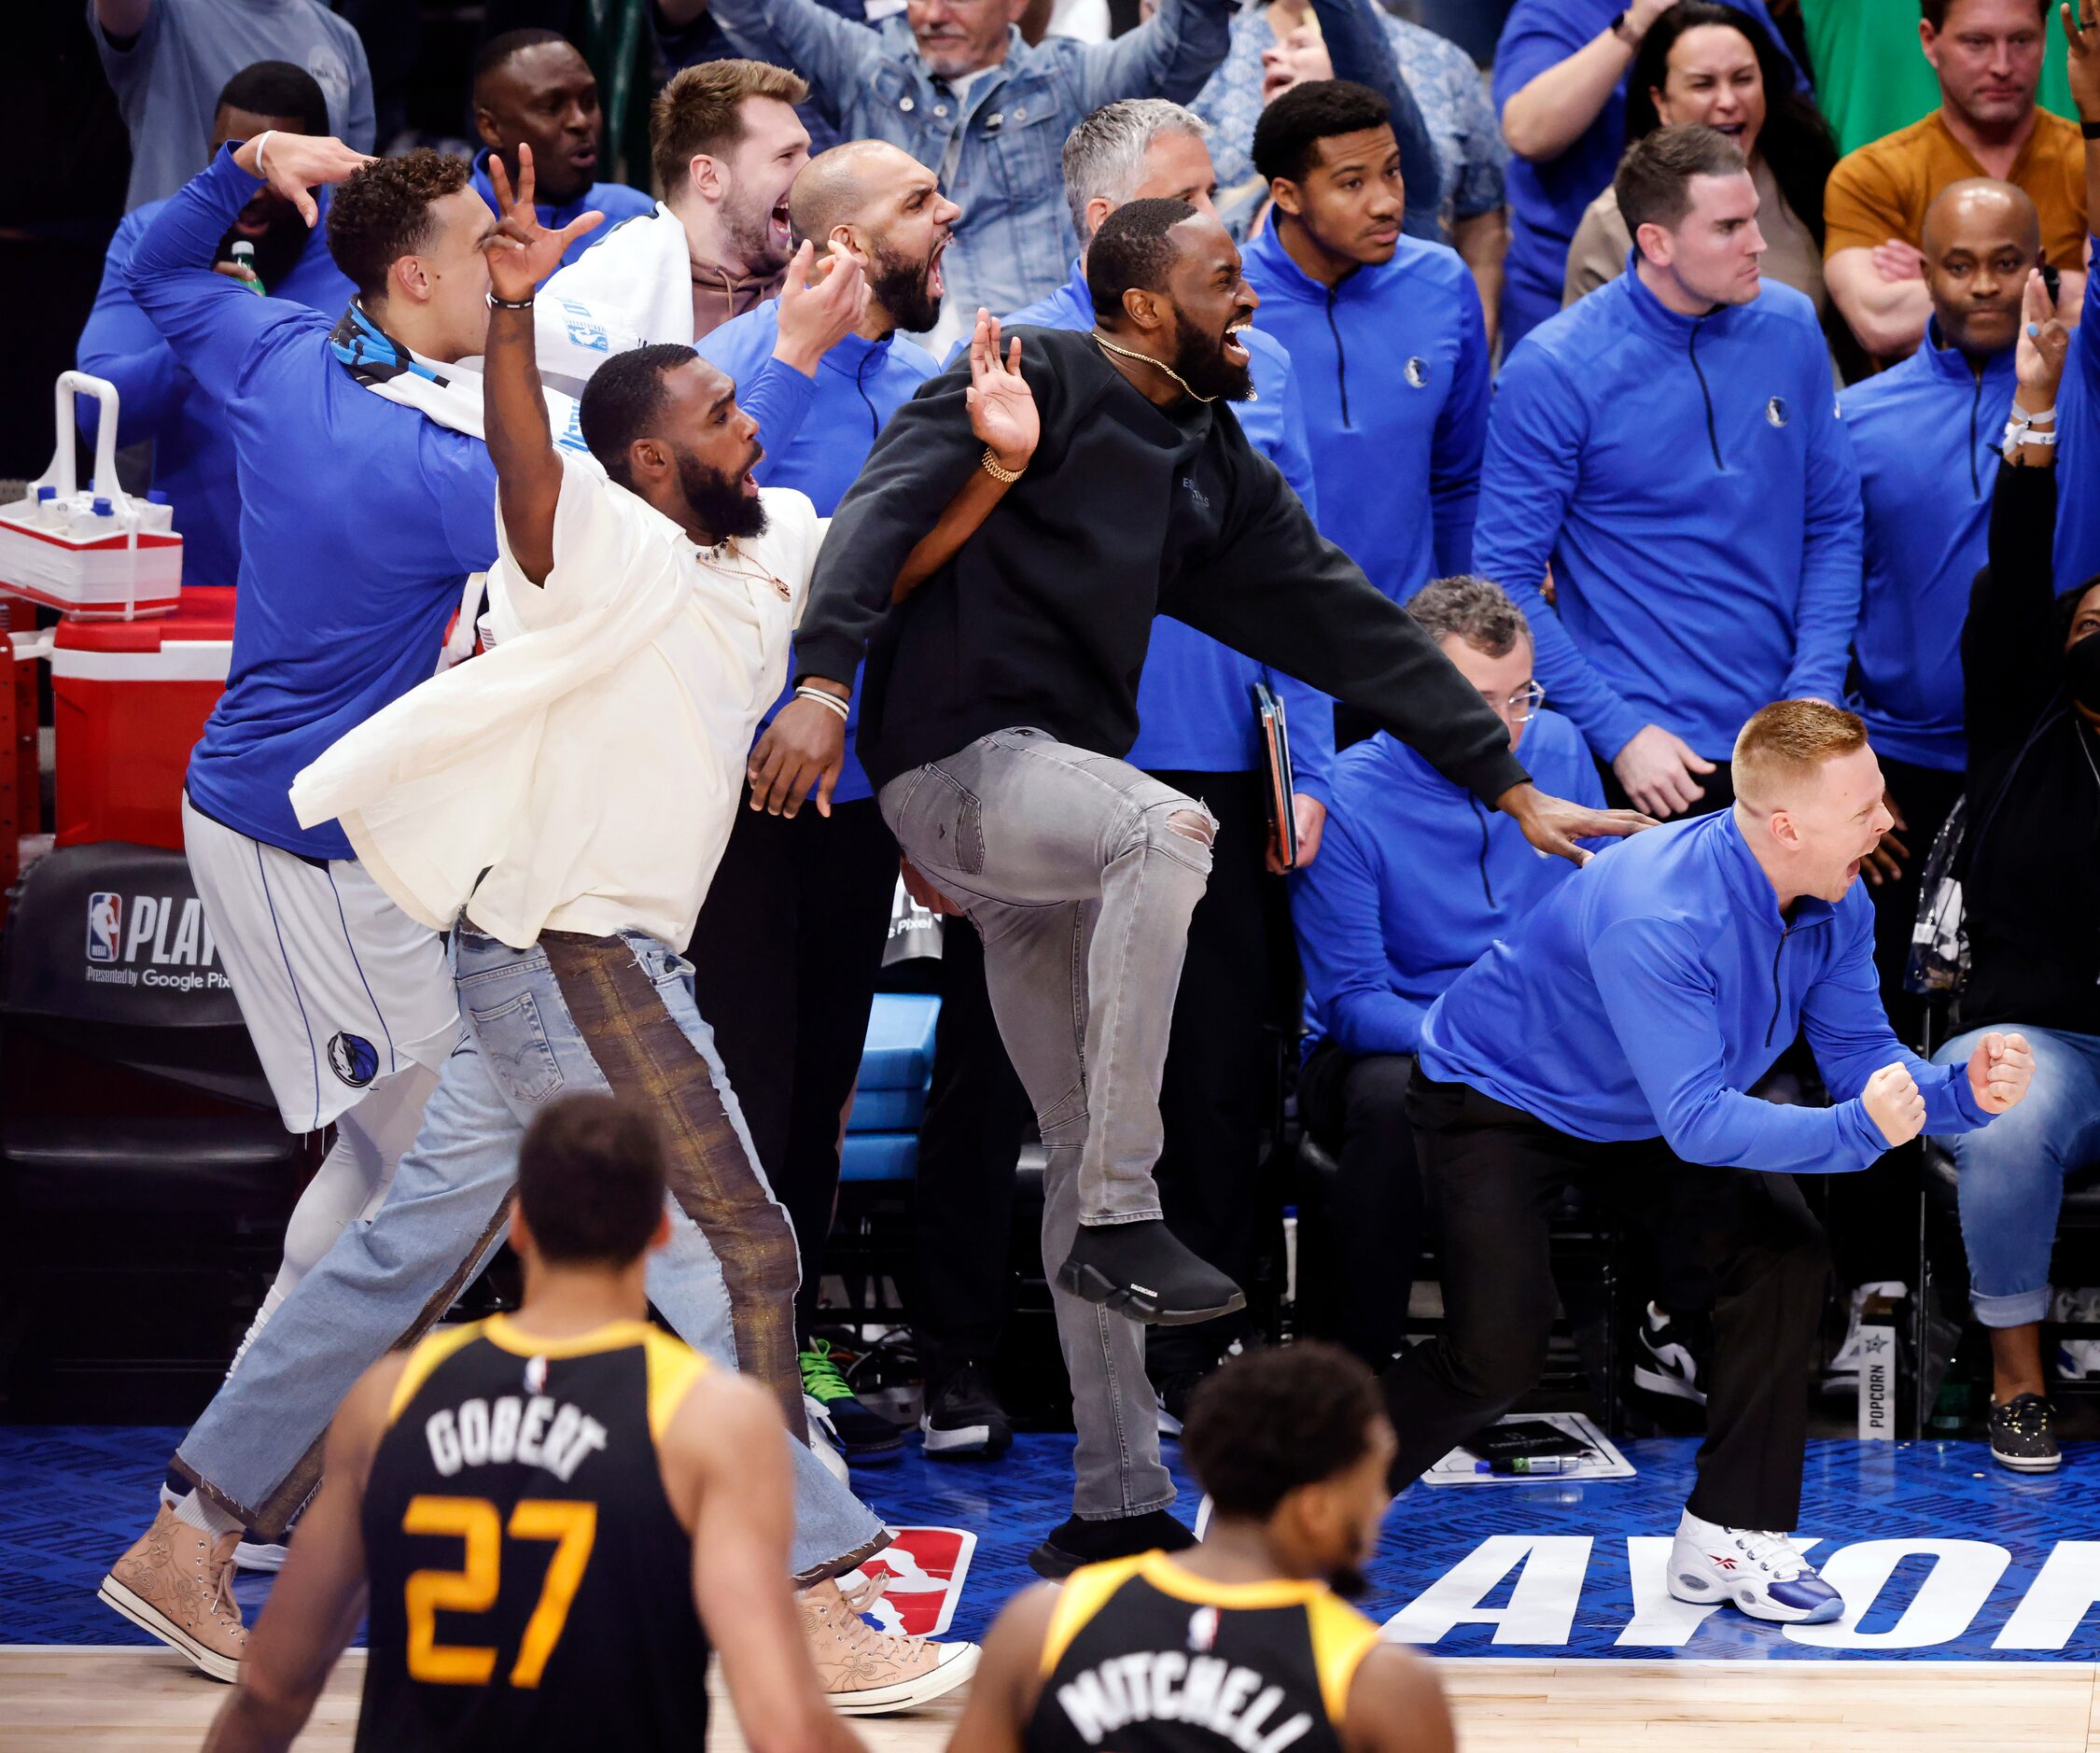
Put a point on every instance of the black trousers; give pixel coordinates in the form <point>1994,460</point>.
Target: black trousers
<point>1219,1089</point>
<point>786,952</point>
<point>1496,1172</point>
<point>1357,1110</point>
<point>976,1115</point>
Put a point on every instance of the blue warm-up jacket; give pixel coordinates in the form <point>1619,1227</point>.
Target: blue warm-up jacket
<point>1648,993</point>
<point>1692,482</point>
<point>2078,447</point>
<point>817,432</point>
<point>1196,710</point>
<point>158,398</point>
<point>1416,877</point>
<point>1926,436</point>
<point>1391,366</point>
<point>361,521</point>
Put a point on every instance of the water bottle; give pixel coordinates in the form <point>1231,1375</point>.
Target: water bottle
<point>244,257</point>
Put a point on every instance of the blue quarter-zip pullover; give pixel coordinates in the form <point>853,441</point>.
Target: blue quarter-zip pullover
<point>1547,200</point>
<point>817,432</point>
<point>1650,990</point>
<point>1692,484</point>
<point>1414,878</point>
<point>1926,436</point>
<point>1195,711</point>
<point>616,201</point>
<point>1391,365</point>
<point>361,520</point>
<point>159,398</point>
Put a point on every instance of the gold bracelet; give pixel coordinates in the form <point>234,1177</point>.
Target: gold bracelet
<point>1006,477</point>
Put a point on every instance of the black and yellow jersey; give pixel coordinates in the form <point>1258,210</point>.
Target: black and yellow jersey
<point>530,1584</point>
<point>1143,1657</point>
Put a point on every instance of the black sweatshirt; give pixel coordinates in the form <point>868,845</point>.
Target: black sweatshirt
<point>2031,857</point>
<point>1127,511</point>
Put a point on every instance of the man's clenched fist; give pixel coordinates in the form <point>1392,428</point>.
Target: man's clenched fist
<point>1999,1072</point>
<point>1893,1104</point>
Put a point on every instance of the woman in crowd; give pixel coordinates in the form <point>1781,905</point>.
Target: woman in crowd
<point>1709,63</point>
<point>2030,868</point>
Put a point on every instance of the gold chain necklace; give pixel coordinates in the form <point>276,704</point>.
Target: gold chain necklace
<point>1107,345</point>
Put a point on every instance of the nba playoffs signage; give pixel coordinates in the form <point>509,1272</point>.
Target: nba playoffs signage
<point>150,939</point>
<point>114,932</point>
<point>1584,1594</point>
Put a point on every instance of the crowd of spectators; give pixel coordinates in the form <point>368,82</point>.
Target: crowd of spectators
<point>1547,341</point>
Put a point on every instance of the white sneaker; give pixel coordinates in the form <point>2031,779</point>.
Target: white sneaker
<point>823,1441</point>
<point>1841,1375</point>
<point>1761,1573</point>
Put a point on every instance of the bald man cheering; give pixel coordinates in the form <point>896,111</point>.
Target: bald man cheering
<point>790,940</point>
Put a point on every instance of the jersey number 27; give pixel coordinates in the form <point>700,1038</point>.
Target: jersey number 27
<point>474,1586</point>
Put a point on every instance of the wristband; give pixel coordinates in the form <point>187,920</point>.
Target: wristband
<point>823,696</point>
<point>2090,130</point>
<point>262,141</point>
<point>991,467</point>
<point>495,303</point>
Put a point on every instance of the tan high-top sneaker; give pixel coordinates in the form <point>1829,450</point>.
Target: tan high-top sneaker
<point>869,1673</point>
<point>177,1582</point>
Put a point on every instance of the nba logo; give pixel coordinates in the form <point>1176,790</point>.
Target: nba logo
<point>106,913</point>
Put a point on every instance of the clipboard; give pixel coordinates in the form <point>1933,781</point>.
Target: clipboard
<point>1278,781</point>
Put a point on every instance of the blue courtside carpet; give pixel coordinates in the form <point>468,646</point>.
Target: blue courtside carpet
<point>1940,1554</point>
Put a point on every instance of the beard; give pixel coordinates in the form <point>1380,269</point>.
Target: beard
<point>720,504</point>
<point>1199,360</point>
<point>904,288</point>
<point>278,251</point>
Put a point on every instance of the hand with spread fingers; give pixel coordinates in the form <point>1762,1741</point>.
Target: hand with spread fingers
<point>521,251</point>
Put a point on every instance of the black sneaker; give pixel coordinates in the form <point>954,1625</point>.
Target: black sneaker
<point>1670,1359</point>
<point>1078,1541</point>
<point>857,1430</point>
<point>2024,1435</point>
<point>963,1418</point>
<point>1141,1270</point>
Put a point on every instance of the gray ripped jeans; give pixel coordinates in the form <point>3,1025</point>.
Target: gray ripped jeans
<point>1080,874</point>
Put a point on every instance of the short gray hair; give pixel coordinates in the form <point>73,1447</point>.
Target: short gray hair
<point>1481,613</point>
<point>1105,155</point>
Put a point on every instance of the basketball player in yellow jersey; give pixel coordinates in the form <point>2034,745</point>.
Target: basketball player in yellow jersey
<point>1243,1643</point>
<point>558,1513</point>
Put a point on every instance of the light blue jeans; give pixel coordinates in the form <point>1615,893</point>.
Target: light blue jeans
<point>2012,1172</point>
<point>256,1449</point>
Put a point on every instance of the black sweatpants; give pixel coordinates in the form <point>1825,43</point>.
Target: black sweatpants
<point>1496,1174</point>
<point>1219,1087</point>
<point>786,952</point>
<point>1356,1108</point>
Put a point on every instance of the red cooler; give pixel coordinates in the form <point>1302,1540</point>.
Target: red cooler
<point>132,697</point>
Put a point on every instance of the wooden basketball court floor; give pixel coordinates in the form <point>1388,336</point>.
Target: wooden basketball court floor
<point>61,1700</point>
<point>1973,1598</point>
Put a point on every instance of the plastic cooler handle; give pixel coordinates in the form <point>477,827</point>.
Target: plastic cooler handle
<point>61,474</point>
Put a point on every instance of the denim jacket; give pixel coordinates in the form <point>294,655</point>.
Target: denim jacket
<point>1015,238</point>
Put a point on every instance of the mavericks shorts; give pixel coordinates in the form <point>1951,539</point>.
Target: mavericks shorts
<point>339,987</point>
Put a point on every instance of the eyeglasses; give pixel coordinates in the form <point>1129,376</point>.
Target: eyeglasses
<point>1522,706</point>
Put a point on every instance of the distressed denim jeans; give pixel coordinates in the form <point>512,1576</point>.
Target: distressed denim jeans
<point>2011,1173</point>
<point>570,1013</point>
<point>1080,874</point>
